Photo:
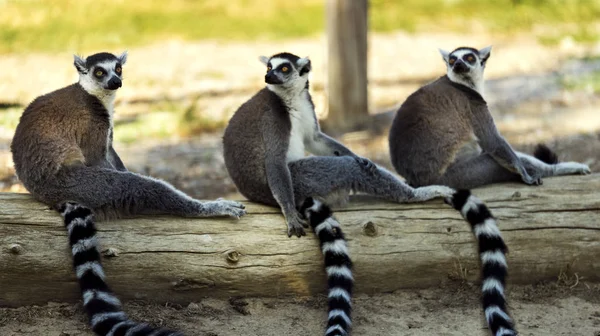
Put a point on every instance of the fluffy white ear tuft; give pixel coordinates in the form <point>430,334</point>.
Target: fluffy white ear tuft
<point>445,54</point>
<point>79,64</point>
<point>123,57</point>
<point>304,65</point>
<point>485,53</point>
<point>264,60</point>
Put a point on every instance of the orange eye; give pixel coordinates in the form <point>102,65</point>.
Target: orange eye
<point>285,69</point>
<point>269,68</point>
<point>451,61</point>
<point>118,70</point>
<point>470,58</point>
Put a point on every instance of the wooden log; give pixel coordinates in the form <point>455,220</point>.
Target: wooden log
<point>549,229</point>
<point>347,66</point>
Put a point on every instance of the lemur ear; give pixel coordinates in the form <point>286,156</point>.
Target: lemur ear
<point>79,64</point>
<point>123,57</point>
<point>445,54</point>
<point>485,53</point>
<point>304,65</point>
<point>264,60</point>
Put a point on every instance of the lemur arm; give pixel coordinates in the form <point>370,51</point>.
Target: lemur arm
<point>279,178</point>
<point>493,143</point>
<point>115,160</point>
<point>322,144</point>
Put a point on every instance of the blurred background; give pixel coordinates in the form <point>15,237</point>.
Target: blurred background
<point>192,63</point>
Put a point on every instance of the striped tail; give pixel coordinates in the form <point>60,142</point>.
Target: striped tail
<point>337,264</point>
<point>492,252</point>
<point>104,309</point>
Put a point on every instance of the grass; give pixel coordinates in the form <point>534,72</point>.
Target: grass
<point>82,25</point>
<point>589,82</point>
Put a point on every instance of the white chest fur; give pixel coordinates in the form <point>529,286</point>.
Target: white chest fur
<point>303,121</point>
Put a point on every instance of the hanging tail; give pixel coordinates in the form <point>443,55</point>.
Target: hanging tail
<point>104,309</point>
<point>492,252</point>
<point>337,264</point>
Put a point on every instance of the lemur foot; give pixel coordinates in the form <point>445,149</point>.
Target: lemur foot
<point>430,192</point>
<point>222,207</point>
<point>296,226</point>
<point>532,180</point>
<point>366,164</point>
<point>568,168</point>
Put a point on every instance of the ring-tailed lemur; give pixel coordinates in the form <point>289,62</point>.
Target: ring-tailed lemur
<point>444,133</point>
<point>62,150</point>
<point>337,265</point>
<point>264,147</point>
<point>104,309</point>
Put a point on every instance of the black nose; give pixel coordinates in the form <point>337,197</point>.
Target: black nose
<point>460,67</point>
<point>114,83</point>
<point>271,78</point>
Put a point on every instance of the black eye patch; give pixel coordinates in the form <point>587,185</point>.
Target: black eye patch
<point>284,67</point>
<point>99,72</point>
<point>469,58</point>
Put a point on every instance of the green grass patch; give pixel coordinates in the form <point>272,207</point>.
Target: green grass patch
<point>588,82</point>
<point>86,25</point>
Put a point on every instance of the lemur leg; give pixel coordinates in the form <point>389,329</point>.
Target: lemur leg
<point>121,194</point>
<point>324,176</point>
<point>475,172</point>
<point>532,164</point>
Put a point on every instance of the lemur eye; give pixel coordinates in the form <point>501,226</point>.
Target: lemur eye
<point>118,70</point>
<point>285,69</point>
<point>99,73</point>
<point>269,68</point>
<point>451,60</point>
<point>470,58</point>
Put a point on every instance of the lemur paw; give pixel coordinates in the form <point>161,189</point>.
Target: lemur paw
<point>580,168</point>
<point>532,180</point>
<point>366,164</point>
<point>296,226</point>
<point>222,207</point>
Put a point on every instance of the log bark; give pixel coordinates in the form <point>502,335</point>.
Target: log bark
<point>347,66</point>
<point>549,229</point>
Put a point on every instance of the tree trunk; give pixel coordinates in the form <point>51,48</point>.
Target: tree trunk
<point>549,230</point>
<point>347,65</point>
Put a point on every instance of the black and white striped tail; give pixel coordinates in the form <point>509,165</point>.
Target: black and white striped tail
<point>104,309</point>
<point>337,264</point>
<point>492,252</point>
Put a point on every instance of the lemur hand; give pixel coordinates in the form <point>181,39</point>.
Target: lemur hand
<point>222,207</point>
<point>532,179</point>
<point>367,164</point>
<point>295,224</point>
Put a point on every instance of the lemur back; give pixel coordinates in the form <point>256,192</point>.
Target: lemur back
<point>431,128</point>
<point>53,132</point>
<point>244,149</point>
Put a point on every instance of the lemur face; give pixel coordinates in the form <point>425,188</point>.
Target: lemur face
<point>286,69</point>
<point>466,62</point>
<point>102,71</point>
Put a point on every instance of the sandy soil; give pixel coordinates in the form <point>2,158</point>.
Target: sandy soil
<point>549,309</point>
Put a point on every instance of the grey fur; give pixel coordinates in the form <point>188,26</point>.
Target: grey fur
<point>268,165</point>
<point>444,134</point>
<point>62,150</point>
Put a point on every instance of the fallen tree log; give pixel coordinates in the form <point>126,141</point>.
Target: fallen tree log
<point>549,229</point>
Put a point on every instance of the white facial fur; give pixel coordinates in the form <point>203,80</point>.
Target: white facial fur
<point>98,87</point>
<point>293,83</point>
<point>473,78</point>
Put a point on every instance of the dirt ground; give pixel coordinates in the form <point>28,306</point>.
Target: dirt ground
<point>527,104</point>
<point>549,309</point>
